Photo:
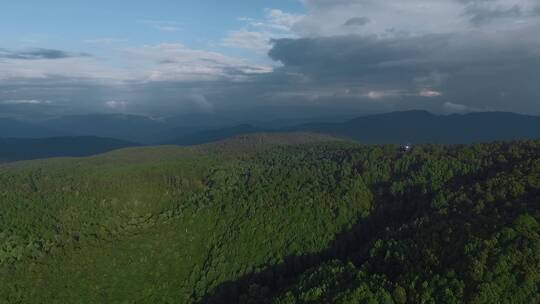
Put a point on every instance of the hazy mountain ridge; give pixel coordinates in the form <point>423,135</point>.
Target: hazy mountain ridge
<point>395,127</point>
<point>390,128</point>
<point>15,149</point>
<point>134,128</point>
<point>402,127</point>
<point>10,127</point>
<point>424,127</point>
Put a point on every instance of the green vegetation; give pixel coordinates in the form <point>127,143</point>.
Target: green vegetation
<point>320,222</point>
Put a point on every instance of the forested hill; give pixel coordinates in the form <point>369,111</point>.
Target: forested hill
<point>262,141</point>
<point>208,136</point>
<point>316,222</point>
<point>15,149</point>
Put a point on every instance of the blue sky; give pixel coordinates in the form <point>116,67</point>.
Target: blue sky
<point>268,58</point>
<point>73,25</point>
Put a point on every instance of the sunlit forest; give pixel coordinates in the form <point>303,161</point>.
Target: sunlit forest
<point>275,220</point>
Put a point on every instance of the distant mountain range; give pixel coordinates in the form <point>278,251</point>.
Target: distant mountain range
<point>14,128</point>
<point>185,129</point>
<point>126,127</point>
<point>424,127</point>
<point>132,128</point>
<point>91,134</point>
<point>402,127</point>
<point>15,149</point>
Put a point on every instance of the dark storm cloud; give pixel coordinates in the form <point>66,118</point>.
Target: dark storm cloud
<point>349,56</point>
<point>480,71</point>
<point>38,53</point>
<point>481,15</point>
<point>167,61</point>
<point>357,21</point>
<point>481,12</point>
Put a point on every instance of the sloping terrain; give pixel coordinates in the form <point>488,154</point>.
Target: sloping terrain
<point>264,141</point>
<point>208,136</point>
<point>300,221</point>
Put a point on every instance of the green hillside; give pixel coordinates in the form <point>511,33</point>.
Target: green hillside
<point>274,219</point>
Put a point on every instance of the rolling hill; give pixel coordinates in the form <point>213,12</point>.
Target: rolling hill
<point>305,219</point>
<point>207,136</point>
<point>262,141</point>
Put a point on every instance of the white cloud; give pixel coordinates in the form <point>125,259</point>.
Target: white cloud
<point>245,39</point>
<point>381,94</point>
<point>378,94</point>
<point>162,62</point>
<point>429,93</point>
<point>174,62</point>
<point>25,101</point>
<point>280,20</point>
<point>70,69</point>
<point>274,19</point>
<point>116,104</point>
<point>454,107</point>
<point>256,35</point>
<point>360,93</point>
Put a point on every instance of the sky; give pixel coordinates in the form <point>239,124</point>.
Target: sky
<point>268,59</point>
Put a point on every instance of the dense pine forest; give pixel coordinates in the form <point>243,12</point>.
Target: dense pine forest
<point>275,219</point>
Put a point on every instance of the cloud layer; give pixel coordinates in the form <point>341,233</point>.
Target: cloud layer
<point>37,53</point>
<point>341,56</point>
